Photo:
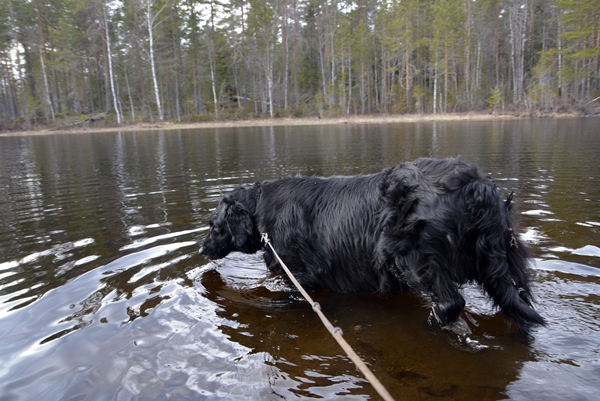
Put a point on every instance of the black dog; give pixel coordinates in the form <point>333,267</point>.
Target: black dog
<point>430,225</point>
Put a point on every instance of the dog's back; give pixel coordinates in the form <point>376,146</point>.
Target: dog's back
<point>326,228</point>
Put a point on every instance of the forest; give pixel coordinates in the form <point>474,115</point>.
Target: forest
<point>123,61</point>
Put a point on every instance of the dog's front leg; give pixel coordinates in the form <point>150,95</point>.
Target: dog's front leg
<point>433,278</point>
<point>448,310</point>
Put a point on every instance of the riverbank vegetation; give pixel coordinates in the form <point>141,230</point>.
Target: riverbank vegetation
<point>75,62</point>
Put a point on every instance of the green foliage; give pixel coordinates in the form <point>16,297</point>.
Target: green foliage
<point>495,99</point>
<point>5,29</point>
<point>581,48</point>
<point>261,21</point>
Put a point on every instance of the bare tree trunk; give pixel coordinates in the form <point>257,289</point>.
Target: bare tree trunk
<point>177,105</point>
<point>323,77</point>
<point>478,66</point>
<point>560,60</point>
<point>255,91</point>
<point>332,97</point>
<point>342,98</point>
<point>349,82</point>
<point>130,98</point>
<point>213,80</point>
<point>294,56</point>
<point>284,40</point>
<point>22,82</point>
<point>150,21</point>
<point>72,77</point>
<point>197,89</point>
<point>446,73</point>
<point>110,68</point>
<point>177,70</point>
<point>269,76</point>
<point>47,89</point>
<point>435,87</point>
<point>107,84</point>
<point>213,60</point>
<point>497,51</point>
<point>242,90</point>
<point>468,61</point>
<point>408,72</point>
<point>384,65</point>
<point>362,88</point>
<point>9,107</point>
<point>517,23</point>
<point>41,48</point>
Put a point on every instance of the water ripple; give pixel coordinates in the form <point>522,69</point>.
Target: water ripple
<point>103,294</point>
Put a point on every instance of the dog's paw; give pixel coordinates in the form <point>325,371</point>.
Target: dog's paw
<point>447,312</point>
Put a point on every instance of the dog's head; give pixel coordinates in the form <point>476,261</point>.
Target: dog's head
<point>231,228</point>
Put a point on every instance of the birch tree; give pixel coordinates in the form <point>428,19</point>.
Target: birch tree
<point>110,66</point>
<point>212,55</point>
<point>151,21</point>
<point>41,45</point>
<point>517,20</point>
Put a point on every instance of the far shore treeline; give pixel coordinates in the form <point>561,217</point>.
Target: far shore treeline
<point>65,62</point>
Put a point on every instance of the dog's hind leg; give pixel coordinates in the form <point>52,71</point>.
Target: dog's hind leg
<point>513,298</point>
<point>503,263</point>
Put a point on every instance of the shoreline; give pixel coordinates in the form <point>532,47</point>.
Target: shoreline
<point>288,121</point>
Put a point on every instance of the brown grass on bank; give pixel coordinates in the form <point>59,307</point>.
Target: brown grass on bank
<point>266,122</point>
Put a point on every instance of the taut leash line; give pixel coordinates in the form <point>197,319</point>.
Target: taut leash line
<point>336,332</point>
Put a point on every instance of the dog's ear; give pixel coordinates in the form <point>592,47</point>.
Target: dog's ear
<point>240,224</point>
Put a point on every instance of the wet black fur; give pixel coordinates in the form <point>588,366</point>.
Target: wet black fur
<point>430,225</point>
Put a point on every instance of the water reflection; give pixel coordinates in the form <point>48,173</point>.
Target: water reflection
<point>384,331</point>
<point>104,295</point>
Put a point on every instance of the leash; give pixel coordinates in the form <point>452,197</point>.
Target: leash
<point>336,332</point>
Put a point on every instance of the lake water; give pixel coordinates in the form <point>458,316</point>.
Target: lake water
<point>104,296</point>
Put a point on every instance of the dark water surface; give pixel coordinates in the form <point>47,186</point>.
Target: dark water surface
<point>103,295</point>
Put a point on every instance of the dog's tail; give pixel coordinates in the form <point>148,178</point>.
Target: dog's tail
<point>507,281</point>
